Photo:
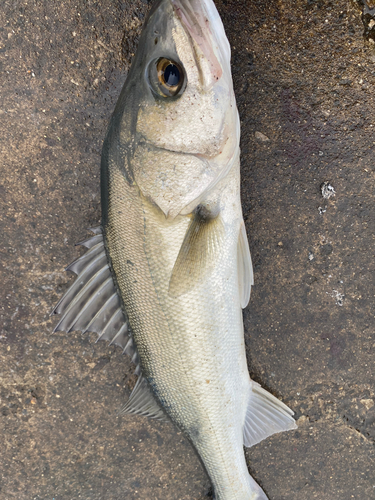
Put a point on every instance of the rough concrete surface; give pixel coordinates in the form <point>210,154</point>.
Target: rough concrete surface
<point>304,78</point>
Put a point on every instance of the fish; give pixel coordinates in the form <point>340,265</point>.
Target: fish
<point>169,270</point>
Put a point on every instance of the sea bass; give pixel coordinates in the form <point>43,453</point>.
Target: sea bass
<point>167,274</point>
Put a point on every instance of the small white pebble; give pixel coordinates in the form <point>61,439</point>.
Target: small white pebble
<point>327,190</point>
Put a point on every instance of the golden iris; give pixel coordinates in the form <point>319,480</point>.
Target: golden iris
<point>169,75</point>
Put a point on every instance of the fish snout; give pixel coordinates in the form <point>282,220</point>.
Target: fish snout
<point>202,22</point>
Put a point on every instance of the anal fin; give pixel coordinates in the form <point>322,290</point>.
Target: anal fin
<point>143,402</point>
<point>265,415</point>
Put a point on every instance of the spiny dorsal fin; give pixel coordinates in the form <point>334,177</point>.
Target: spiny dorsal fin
<point>198,252</point>
<point>143,402</point>
<point>244,267</point>
<point>265,415</point>
<point>92,302</point>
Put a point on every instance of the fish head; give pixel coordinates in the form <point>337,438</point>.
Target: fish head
<point>179,98</point>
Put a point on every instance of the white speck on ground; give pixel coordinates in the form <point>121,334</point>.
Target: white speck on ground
<point>338,296</point>
<point>327,190</point>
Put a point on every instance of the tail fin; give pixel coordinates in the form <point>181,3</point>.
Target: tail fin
<point>256,491</point>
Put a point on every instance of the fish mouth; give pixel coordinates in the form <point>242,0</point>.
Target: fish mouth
<point>202,22</point>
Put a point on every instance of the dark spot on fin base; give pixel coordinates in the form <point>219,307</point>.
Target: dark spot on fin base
<point>198,252</point>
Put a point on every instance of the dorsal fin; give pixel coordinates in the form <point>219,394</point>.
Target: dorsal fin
<point>265,415</point>
<point>143,402</point>
<point>92,302</point>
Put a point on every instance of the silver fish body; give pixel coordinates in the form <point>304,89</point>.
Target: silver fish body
<point>176,244</point>
<point>191,347</point>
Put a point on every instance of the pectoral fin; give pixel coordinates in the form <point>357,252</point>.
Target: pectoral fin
<point>198,253</point>
<point>265,415</point>
<point>244,267</point>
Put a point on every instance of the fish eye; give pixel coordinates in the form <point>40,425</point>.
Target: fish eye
<point>167,77</point>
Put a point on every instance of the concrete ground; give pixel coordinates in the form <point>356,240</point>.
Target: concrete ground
<point>304,78</point>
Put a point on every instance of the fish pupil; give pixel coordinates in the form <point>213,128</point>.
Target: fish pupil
<point>171,75</point>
